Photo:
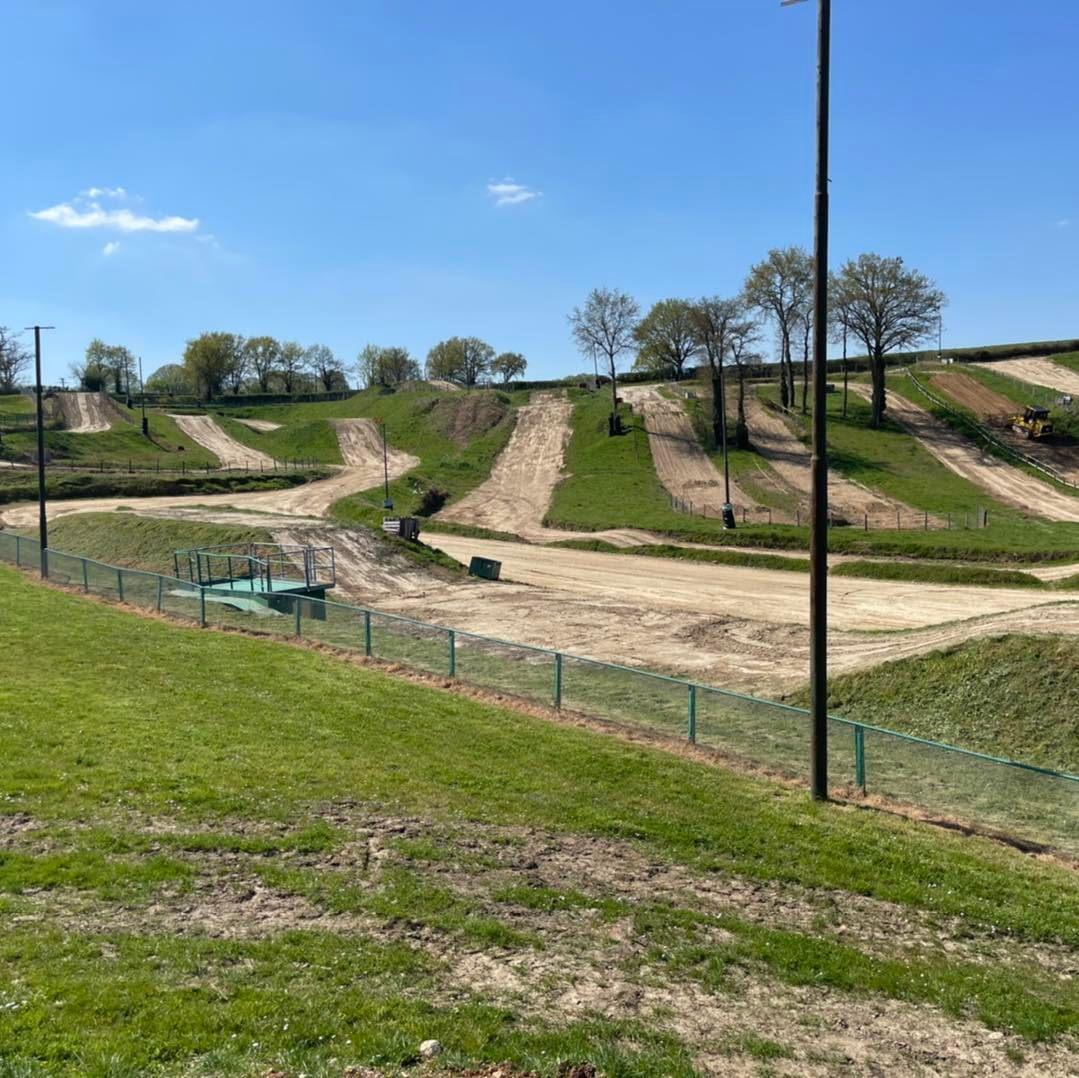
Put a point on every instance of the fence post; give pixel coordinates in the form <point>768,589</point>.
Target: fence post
<point>299,615</point>
<point>451,641</point>
<point>160,591</point>
<point>693,713</point>
<point>367,633</point>
<point>859,757</point>
<point>18,551</point>
<point>202,607</point>
<point>85,575</point>
<point>120,584</point>
<point>558,680</point>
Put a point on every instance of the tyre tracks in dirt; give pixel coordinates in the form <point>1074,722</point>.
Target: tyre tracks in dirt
<point>204,430</point>
<point>86,413</point>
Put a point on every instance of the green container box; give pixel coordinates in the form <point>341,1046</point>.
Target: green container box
<point>487,568</point>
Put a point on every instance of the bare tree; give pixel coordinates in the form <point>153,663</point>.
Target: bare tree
<point>667,338</point>
<point>240,366</point>
<point>743,335</point>
<point>326,367</point>
<point>261,355</point>
<point>780,287</point>
<point>713,320</point>
<point>14,359</point>
<point>887,307</point>
<point>604,326</point>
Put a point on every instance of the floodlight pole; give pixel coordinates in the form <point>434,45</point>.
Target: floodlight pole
<point>818,525</point>
<point>42,519</point>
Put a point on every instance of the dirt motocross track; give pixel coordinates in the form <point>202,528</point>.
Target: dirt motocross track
<point>1040,372</point>
<point>204,430</point>
<point>1007,484</point>
<point>86,413</point>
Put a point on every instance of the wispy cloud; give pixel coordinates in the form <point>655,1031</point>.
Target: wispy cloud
<point>85,211</point>
<point>111,248</point>
<point>1064,222</point>
<point>508,193</point>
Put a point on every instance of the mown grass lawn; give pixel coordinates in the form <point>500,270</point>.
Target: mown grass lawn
<point>140,752</point>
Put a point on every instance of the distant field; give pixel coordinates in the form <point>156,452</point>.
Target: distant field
<point>258,859</point>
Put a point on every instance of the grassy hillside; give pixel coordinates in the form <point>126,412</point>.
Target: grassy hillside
<point>301,439</point>
<point>202,897</point>
<point>1068,359</point>
<point>124,443</point>
<point>15,404</point>
<point>140,542</point>
<point>1009,696</point>
<point>21,486</point>
<point>612,484</point>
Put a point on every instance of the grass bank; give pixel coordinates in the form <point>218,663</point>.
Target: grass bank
<point>1010,696</point>
<point>22,486</point>
<point>301,439</point>
<point>937,573</point>
<point>140,799</point>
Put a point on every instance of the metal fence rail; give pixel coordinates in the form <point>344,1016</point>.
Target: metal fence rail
<point>1028,802</point>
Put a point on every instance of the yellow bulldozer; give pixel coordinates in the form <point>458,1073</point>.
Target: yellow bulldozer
<point>1034,422</point>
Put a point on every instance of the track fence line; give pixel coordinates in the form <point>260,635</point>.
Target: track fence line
<point>1033,804</point>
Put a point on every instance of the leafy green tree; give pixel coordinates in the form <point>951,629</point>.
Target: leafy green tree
<point>666,338</point>
<point>14,359</point>
<point>171,379</point>
<point>262,355</point>
<point>209,361</point>
<point>460,359</point>
<point>509,366</point>
<point>780,287</point>
<point>605,326</point>
<point>887,307</point>
<point>114,359</point>
<point>379,366</point>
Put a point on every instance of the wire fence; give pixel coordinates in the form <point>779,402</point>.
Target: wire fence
<point>246,466</point>
<point>1031,803</point>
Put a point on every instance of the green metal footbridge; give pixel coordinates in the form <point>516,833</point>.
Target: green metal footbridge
<point>259,577</point>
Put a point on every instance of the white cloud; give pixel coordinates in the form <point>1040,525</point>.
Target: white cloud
<point>1064,222</point>
<point>111,248</point>
<point>84,211</point>
<point>508,193</point>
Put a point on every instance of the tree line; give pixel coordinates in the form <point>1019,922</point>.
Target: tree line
<point>877,300</point>
<point>217,363</point>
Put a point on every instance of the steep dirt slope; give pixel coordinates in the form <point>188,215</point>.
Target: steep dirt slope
<point>231,453</point>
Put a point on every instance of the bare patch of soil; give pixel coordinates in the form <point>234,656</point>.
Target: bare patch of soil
<point>468,416</point>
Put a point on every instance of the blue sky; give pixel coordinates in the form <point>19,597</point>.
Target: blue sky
<point>338,159</point>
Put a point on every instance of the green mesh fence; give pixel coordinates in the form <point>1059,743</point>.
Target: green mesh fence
<point>1031,803</point>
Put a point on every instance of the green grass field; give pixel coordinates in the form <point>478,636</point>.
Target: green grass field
<point>1067,359</point>
<point>301,439</point>
<point>17,404</point>
<point>224,855</point>
<point>1010,696</point>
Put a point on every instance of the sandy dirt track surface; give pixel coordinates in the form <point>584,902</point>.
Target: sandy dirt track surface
<point>85,413</point>
<point>778,597</point>
<point>263,426</point>
<point>1004,482</point>
<point>789,456</point>
<point>205,430</point>
<point>307,500</point>
<point>1040,372</point>
<point>441,383</point>
<point>518,492</point>
<point>970,393</point>
<point>993,408</point>
<point>683,467</point>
